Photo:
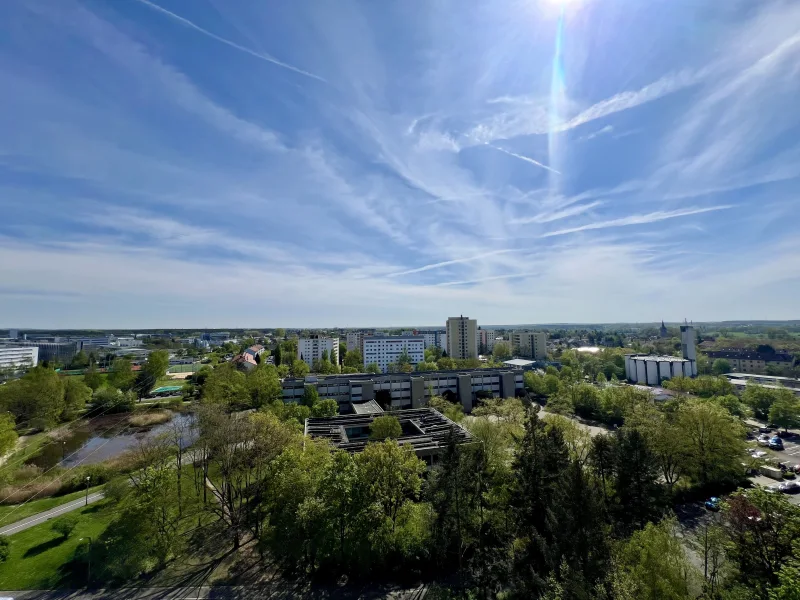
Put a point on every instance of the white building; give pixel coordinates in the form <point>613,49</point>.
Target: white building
<point>531,344</point>
<point>462,337</point>
<point>128,342</point>
<point>311,348</point>
<point>12,357</point>
<point>650,369</point>
<point>385,350</point>
<point>434,338</point>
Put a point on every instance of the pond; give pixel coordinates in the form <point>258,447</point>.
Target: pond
<point>88,445</point>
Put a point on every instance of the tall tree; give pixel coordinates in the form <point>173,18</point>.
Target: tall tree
<point>226,386</point>
<point>785,411</point>
<point>92,378</point>
<point>76,395</point>
<point>264,385</point>
<point>637,491</point>
<point>121,376</point>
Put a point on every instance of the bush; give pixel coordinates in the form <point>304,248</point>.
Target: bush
<point>385,427</point>
<point>65,525</point>
<point>116,489</point>
<point>5,548</point>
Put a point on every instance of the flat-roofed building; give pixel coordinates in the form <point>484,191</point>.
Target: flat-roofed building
<point>384,350</point>
<point>312,348</point>
<point>748,361</point>
<point>530,344</point>
<point>462,337</point>
<point>17,357</point>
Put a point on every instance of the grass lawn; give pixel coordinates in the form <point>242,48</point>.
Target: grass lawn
<point>28,448</point>
<point>35,506</point>
<point>39,556</point>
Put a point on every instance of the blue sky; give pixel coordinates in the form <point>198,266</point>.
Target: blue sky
<point>211,163</point>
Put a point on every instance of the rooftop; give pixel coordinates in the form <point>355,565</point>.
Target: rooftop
<point>518,362</point>
<point>367,408</point>
<point>425,429</point>
<point>658,357</point>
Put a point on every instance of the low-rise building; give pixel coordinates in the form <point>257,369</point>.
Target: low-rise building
<point>426,430</point>
<point>410,390</point>
<point>748,361</point>
<point>50,352</point>
<point>384,350</point>
<point>789,382</point>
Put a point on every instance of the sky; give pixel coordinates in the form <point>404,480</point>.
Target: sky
<point>252,163</point>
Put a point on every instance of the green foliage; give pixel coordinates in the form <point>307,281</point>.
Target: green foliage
<point>264,385</point>
<point>785,410</point>
<point>310,395</point>
<point>788,586</point>
<point>299,368</point>
<point>121,375</point>
<point>76,396</point>
<point>427,366</point>
<point>111,400</point>
<point>5,548</point>
<point>354,359</point>
<point>385,426</point>
<point>759,399</point>
<point>8,433</point>
<point>92,378</point>
<point>502,351</point>
<point>64,526</point>
<point>720,366</point>
<point>226,386</point>
<point>372,368</point>
<point>36,399</point>
<point>325,408</point>
<point>157,364</point>
<point>451,410</point>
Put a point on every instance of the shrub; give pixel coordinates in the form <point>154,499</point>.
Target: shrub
<point>65,525</point>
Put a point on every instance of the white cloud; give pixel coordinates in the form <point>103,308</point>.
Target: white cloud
<point>527,159</point>
<point>548,217</point>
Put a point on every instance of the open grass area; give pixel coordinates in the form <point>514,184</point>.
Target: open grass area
<point>28,447</point>
<point>40,557</point>
<point>11,513</point>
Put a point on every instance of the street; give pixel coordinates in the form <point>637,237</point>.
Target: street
<point>41,517</point>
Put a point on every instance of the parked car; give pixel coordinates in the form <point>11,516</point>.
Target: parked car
<point>713,503</point>
<point>764,430</point>
<point>763,440</point>
<point>789,487</point>
<point>776,443</point>
<point>757,453</point>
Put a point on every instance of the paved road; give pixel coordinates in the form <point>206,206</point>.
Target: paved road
<point>47,515</point>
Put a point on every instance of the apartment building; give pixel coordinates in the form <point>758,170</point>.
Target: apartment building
<point>748,361</point>
<point>462,337</point>
<point>410,390</point>
<point>13,357</point>
<point>433,337</point>
<point>531,344</point>
<point>311,348</point>
<point>354,340</point>
<point>386,349</point>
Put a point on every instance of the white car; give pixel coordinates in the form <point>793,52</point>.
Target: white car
<point>757,453</point>
<point>789,487</point>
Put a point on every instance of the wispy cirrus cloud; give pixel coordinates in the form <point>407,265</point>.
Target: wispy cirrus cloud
<point>548,217</point>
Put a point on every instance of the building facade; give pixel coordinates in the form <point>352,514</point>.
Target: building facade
<point>410,390</point>
<point>386,349</point>
<point>433,338</point>
<point>354,340</point>
<point>747,361</point>
<point>14,357</point>
<point>530,344</point>
<point>462,337</point>
<point>650,369</point>
<point>311,348</point>
<point>58,352</point>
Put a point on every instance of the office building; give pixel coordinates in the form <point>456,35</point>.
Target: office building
<point>530,344</point>
<point>410,390</point>
<point>14,357</point>
<point>13,333</point>
<point>50,352</point>
<point>387,349</point>
<point>312,348</point>
<point>128,342</point>
<point>462,337</point>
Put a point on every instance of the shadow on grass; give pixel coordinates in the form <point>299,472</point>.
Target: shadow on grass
<point>92,508</point>
<point>44,547</point>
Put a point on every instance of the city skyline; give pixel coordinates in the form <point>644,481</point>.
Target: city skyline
<point>181,164</point>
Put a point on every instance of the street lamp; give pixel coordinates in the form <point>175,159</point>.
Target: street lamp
<point>89,559</point>
<point>87,490</point>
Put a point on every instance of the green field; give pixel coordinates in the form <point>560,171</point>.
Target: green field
<point>40,558</point>
<point>193,368</point>
<point>11,513</point>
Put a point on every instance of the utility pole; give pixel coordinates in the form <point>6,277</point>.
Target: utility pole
<point>87,490</point>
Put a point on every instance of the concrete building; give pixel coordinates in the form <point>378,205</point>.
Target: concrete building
<point>651,369</point>
<point>60,352</point>
<point>128,342</point>
<point>13,334</point>
<point>410,390</point>
<point>311,348</point>
<point>433,338</point>
<point>748,361</point>
<point>486,340</point>
<point>531,344</point>
<point>354,340</point>
<point>426,430</point>
<point>462,337</point>
<point>789,382</point>
<point>386,349</point>
<point>14,357</point>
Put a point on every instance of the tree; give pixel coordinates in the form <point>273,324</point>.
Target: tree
<point>5,548</point>
<point>502,351</point>
<point>111,400</point>
<point>372,368</point>
<point>353,359</point>
<point>720,366</point>
<point>655,564</point>
<point>713,440</point>
<point>299,368</point>
<point>636,489</point>
<point>144,383</point>
<point>264,385</point>
<point>92,378</point>
<point>277,355</point>
<point>226,386</point>
<point>65,525</point>
<point>325,408</point>
<point>157,364</point>
<point>392,474</point>
<point>385,426</point>
<point>280,333</point>
<point>8,433</point>
<point>759,399</point>
<point>37,399</point>
<point>121,376</point>
<point>426,366</point>
<point>76,395</point>
<point>342,352</point>
<point>785,410</point>
<point>310,395</point>
<point>788,587</point>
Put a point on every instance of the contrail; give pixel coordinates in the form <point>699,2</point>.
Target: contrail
<point>449,262</point>
<point>264,57</point>
<point>525,158</point>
